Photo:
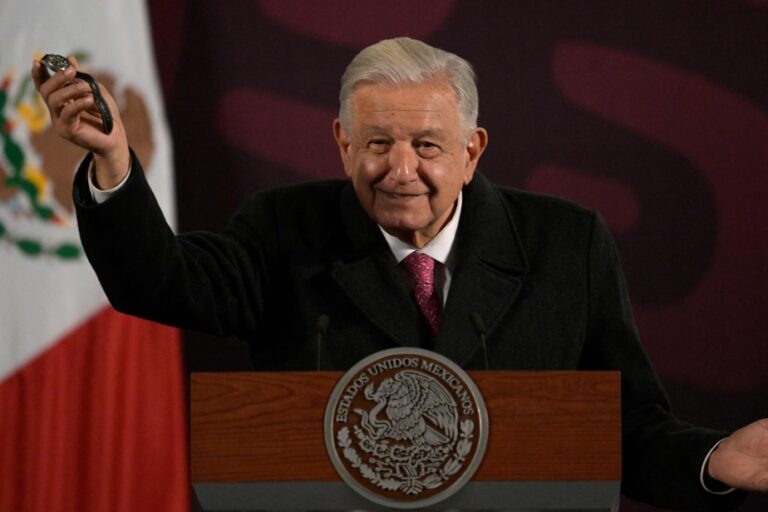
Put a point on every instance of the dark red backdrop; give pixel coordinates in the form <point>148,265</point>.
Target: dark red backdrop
<point>655,113</point>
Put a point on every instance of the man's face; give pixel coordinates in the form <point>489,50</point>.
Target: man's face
<point>405,156</point>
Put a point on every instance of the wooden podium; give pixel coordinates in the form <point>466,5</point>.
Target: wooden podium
<point>554,443</point>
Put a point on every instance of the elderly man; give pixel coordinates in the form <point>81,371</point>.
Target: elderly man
<point>406,252</point>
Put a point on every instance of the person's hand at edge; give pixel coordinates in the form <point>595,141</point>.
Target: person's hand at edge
<point>741,459</point>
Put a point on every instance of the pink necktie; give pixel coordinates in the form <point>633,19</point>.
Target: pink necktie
<point>422,269</point>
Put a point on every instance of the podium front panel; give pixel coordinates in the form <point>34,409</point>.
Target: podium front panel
<point>554,442</point>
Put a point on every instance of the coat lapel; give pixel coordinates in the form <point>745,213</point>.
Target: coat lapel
<point>488,272</point>
<point>490,264</point>
<point>366,271</point>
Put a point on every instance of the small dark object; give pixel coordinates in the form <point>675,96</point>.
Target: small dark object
<point>51,64</point>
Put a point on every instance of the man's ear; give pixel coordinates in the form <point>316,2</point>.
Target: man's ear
<point>476,144</point>
<point>342,140</point>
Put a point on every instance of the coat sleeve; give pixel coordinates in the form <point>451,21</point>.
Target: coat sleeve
<point>661,455</point>
<point>212,282</point>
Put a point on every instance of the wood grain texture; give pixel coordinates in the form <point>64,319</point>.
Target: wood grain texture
<point>268,427</point>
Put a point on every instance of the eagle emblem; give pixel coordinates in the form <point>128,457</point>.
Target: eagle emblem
<point>36,166</point>
<point>406,428</point>
<point>416,408</point>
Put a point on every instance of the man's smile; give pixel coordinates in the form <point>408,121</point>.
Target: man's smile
<point>400,196</point>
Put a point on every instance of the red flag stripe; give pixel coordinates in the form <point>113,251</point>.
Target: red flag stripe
<point>97,422</point>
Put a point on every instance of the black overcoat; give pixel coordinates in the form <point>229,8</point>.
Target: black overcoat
<point>542,273</point>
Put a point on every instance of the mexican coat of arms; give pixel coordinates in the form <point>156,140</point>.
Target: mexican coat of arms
<point>406,428</point>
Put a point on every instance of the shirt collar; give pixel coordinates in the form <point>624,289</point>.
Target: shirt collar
<point>438,248</point>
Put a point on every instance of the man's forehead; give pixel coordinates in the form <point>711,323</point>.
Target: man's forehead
<point>428,108</point>
<point>428,131</point>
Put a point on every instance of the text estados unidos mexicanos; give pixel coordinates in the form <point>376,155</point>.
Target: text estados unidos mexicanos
<point>364,378</point>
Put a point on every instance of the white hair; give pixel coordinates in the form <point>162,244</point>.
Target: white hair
<point>406,61</point>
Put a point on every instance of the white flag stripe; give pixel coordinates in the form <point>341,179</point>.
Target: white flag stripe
<point>43,297</point>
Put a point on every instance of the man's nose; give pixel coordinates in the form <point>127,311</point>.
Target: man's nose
<point>403,163</point>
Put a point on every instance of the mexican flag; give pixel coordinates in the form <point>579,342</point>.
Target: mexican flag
<point>91,401</point>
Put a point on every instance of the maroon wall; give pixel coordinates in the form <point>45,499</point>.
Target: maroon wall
<point>655,113</point>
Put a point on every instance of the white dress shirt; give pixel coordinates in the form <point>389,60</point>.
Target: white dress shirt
<point>439,249</point>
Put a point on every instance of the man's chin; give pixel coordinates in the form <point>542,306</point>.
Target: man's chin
<point>400,226</point>
<point>408,232</point>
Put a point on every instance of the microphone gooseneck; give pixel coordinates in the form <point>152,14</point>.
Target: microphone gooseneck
<point>321,326</point>
<point>477,322</point>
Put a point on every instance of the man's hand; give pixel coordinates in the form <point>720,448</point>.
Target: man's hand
<point>76,119</point>
<point>741,460</point>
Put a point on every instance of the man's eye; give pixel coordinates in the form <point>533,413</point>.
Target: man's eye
<point>378,145</point>
<point>426,148</point>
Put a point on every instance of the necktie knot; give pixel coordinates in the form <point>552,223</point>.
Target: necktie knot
<point>422,268</point>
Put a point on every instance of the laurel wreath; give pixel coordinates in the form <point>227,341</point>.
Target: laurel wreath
<point>14,154</point>
<point>463,448</point>
<point>30,247</point>
<point>389,484</point>
<point>415,486</point>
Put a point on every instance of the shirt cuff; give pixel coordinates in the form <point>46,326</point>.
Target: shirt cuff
<point>703,478</point>
<point>98,195</point>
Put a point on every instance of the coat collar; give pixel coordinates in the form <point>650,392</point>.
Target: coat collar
<point>489,265</point>
<point>367,271</point>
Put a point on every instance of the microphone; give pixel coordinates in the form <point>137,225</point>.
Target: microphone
<point>321,326</point>
<point>477,322</point>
